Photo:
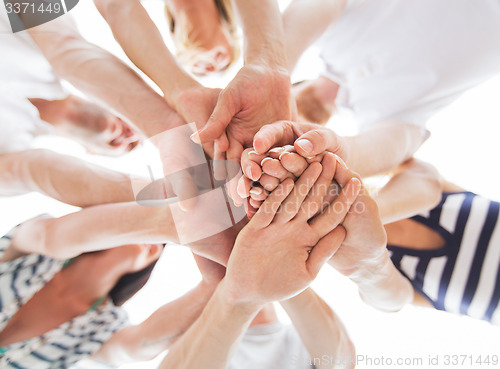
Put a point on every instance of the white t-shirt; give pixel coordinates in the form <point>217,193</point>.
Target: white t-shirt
<point>407,59</point>
<point>271,346</point>
<point>24,73</point>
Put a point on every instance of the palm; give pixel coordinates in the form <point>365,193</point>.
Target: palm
<point>257,98</point>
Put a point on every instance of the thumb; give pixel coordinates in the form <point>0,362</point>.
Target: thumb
<point>324,250</point>
<point>222,115</point>
<point>317,141</point>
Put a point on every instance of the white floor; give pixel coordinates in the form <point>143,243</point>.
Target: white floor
<point>464,147</point>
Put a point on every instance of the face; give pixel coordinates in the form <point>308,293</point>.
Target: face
<point>214,60</point>
<point>202,38</point>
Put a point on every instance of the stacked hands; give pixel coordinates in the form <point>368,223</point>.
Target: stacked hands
<point>299,224</point>
<point>268,170</point>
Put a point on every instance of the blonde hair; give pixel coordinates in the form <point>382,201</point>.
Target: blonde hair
<point>187,51</point>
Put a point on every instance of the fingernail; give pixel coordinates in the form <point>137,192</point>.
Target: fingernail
<point>195,137</point>
<point>264,160</point>
<point>256,191</point>
<point>248,171</point>
<point>305,145</point>
<point>255,175</point>
<point>283,154</point>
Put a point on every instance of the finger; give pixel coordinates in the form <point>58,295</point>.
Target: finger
<point>222,142</point>
<point>255,203</point>
<point>244,187</point>
<point>274,168</point>
<point>249,209</point>
<point>318,196</point>
<point>234,151</point>
<point>302,187</point>
<point>232,189</point>
<point>256,158</point>
<point>343,174</point>
<point>316,141</point>
<point>251,168</point>
<point>276,152</point>
<point>293,163</point>
<point>324,250</point>
<point>333,192</point>
<point>219,166</point>
<point>258,193</point>
<point>271,135</point>
<point>269,182</point>
<point>336,211</point>
<point>223,112</point>
<point>268,209</point>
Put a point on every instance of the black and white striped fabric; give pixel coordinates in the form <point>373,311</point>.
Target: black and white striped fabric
<point>61,347</point>
<point>463,276</point>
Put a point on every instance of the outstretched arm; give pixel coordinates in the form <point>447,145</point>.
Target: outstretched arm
<point>92,229</point>
<point>100,74</point>
<point>321,330</point>
<point>157,333</point>
<point>139,37</point>
<point>63,178</point>
<point>166,325</point>
<point>414,187</point>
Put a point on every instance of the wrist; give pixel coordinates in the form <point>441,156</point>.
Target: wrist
<point>382,286</point>
<point>173,88</point>
<point>235,302</point>
<point>302,301</point>
<point>371,271</point>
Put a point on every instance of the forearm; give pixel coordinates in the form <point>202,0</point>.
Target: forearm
<point>383,147</point>
<point>320,329</point>
<point>100,74</point>
<point>264,34</point>
<point>210,341</point>
<point>157,333</point>
<point>142,42</point>
<point>96,228</point>
<point>417,187</point>
<point>63,178</point>
<point>304,21</point>
<point>381,285</point>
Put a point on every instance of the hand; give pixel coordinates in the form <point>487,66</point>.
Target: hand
<point>195,104</point>
<point>280,252</point>
<point>365,245</point>
<point>258,95</point>
<point>274,167</point>
<point>308,139</point>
